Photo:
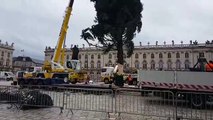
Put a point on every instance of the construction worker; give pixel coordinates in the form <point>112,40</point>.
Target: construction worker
<point>129,78</point>
<point>209,66</point>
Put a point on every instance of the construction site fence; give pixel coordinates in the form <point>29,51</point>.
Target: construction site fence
<point>145,104</point>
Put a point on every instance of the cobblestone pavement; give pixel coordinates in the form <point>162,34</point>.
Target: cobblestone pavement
<point>54,114</point>
<point>47,114</point>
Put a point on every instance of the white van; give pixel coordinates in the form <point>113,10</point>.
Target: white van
<point>107,74</point>
<point>9,76</point>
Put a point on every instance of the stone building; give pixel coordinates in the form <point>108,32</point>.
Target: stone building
<point>6,54</point>
<point>25,63</point>
<point>150,57</point>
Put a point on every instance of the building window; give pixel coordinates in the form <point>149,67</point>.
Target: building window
<point>136,56</point>
<point>99,56</point>
<point>110,63</point>
<point>86,56</point>
<point>144,56</point>
<point>92,64</point>
<point>169,65</point>
<point>152,56</point>
<point>2,53</point>
<point>92,75</point>
<point>177,55</point>
<point>169,55</point>
<point>110,56</point>
<point>98,64</point>
<point>152,64</point>
<point>186,55</point>
<point>160,55</point>
<point>137,64</point>
<point>8,55</point>
<point>178,65</point>
<point>86,64</point>
<point>201,55</point>
<point>98,76</point>
<point>144,64</point>
<point>92,56</point>
<point>160,65</point>
<point>187,64</point>
<point>7,63</point>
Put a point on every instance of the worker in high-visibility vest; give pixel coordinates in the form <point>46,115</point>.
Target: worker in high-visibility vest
<point>209,66</point>
<point>129,78</point>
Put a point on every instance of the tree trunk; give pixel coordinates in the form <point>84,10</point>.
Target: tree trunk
<point>120,52</point>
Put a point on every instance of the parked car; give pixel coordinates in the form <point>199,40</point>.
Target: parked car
<point>5,75</point>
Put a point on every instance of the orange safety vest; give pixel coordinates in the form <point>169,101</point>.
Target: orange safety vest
<point>209,67</point>
<point>129,78</point>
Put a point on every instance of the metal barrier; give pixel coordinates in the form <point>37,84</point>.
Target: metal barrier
<point>155,104</point>
<point>192,105</point>
<point>149,104</point>
<point>99,100</point>
<point>31,96</point>
<point>8,94</point>
<point>46,94</point>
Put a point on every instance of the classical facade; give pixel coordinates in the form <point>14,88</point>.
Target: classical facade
<point>6,54</point>
<point>150,57</point>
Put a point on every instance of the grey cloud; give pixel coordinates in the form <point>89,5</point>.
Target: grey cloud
<point>34,24</point>
<point>165,20</point>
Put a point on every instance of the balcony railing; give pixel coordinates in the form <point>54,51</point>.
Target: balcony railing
<point>148,46</point>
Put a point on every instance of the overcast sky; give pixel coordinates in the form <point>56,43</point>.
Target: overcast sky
<point>34,24</point>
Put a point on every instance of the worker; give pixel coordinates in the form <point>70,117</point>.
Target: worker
<point>129,78</point>
<point>209,66</point>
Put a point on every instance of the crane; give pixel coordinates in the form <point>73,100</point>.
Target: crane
<point>57,71</point>
<point>57,64</point>
<point>57,67</point>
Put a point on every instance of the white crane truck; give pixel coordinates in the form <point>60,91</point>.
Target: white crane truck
<point>107,75</point>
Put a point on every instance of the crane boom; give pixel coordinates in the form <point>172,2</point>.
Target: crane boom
<point>56,71</point>
<point>63,32</point>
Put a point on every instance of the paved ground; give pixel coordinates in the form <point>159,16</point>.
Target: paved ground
<point>3,82</point>
<point>54,114</point>
<point>47,114</point>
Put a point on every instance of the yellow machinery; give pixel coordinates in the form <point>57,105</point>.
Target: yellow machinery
<point>57,71</point>
<point>69,70</point>
<point>107,75</point>
<point>55,65</point>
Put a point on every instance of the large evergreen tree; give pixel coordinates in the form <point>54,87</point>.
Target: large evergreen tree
<point>117,22</point>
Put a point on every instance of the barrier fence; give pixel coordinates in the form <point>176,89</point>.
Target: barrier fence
<point>196,106</point>
<point>144,103</point>
<point>152,104</point>
<point>89,99</point>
